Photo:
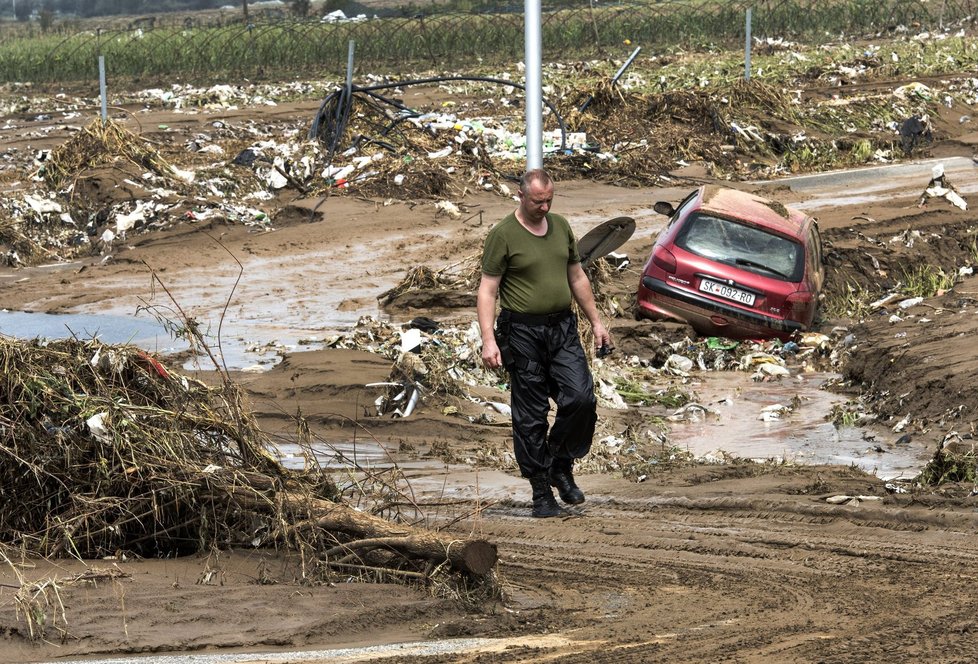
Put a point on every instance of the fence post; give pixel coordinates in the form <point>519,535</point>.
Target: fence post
<point>747,49</point>
<point>101,88</point>
<point>349,70</point>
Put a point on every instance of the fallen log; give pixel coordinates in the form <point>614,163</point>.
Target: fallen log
<point>250,491</point>
<point>475,556</point>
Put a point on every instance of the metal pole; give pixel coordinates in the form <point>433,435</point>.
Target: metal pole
<point>628,62</point>
<point>533,49</point>
<point>101,88</point>
<point>349,70</point>
<point>747,50</point>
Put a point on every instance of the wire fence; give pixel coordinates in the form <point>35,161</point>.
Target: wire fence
<point>224,44</point>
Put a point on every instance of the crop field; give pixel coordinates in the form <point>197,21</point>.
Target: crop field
<point>446,36</point>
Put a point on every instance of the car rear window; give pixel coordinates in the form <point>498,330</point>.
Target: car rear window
<point>747,247</point>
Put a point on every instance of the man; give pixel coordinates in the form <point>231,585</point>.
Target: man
<point>530,261</point>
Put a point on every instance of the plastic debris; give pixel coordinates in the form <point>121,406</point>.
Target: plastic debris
<point>449,208</point>
<point>411,340</point>
<point>843,499</point>
<point>773,412</point>
<point>691,412</point>
<point>97,426</point>
<point>940,187</point>
<point>501,408</point>
<point>913,131</point>
<point>910,302</point>
<point>902,424</point>
<point>678,364</point>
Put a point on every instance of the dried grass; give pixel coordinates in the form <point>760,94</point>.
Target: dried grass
<point>463,275</point>
<point>97,144</point>
<point>104,449</point>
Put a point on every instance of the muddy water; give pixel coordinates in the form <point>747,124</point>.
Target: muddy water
<point>142,331</point>
<point>730,418</point>
<point>740,421</point>
<point>146,334</point>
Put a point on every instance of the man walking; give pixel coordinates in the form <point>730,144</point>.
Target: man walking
<point>530,261</point>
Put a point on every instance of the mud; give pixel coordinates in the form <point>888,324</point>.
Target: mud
<point>676,560</point>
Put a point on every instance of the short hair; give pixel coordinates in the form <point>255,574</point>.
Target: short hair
<point>535,175</point>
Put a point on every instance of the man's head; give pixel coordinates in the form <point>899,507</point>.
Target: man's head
<point>536,194</point>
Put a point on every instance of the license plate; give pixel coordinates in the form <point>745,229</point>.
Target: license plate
<point>727,292</point>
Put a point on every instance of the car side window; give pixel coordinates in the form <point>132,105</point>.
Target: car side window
<point>815,242</point>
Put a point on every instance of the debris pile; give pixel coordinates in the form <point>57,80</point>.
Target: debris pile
<point>97,144</point>
<point>940,187</point>
<point>955,461</point>
<point>366,144</point>
<point>104,451</point>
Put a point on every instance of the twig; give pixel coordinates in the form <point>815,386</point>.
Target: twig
<point>379,570</point>
<point>227,302</point>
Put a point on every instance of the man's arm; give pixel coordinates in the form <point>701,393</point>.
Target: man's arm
<point>580,287</point>
<point>485,305</point>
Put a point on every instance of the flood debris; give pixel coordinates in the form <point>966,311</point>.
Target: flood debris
<point>104,451</point>
<point>914,131</point>
<point>940,187</point>
<point>99,143</point>
<point>366,141</point>
<point>774,412</point>
<point>852,501</point>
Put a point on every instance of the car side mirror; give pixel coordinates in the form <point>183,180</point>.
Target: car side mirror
<point>663,207</point>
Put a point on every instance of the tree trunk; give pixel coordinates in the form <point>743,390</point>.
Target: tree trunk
<point>471,555</point>
<point>255,491</point>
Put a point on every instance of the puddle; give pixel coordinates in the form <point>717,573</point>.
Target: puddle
<point>734,426</point>
<point>334,455</point>
<point>143,332</point>
<point>802,436</point>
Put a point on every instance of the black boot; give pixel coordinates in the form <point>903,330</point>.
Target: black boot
<point>544,504</point>
<point>562,477</point>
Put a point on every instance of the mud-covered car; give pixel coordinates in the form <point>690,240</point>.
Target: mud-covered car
<point>734,264</point>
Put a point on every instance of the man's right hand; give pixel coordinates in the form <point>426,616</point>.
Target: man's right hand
<point>486,308</point>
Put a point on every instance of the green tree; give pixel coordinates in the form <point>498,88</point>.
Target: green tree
<point>46,19</point>
<point>300,7</point>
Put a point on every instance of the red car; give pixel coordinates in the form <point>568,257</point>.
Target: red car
<point>732,264</point>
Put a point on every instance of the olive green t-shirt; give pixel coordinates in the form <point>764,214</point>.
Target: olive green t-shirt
<point>533,268</point>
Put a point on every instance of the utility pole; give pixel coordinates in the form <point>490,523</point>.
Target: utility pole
<point>533,49</point>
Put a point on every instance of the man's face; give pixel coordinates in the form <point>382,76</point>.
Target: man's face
<point>535,201</point>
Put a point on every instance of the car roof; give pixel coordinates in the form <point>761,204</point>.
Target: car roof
<point>736,204</point>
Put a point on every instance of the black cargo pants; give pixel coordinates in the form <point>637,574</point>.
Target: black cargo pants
<point>545,360</point>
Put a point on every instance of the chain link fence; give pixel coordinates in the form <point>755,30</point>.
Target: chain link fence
<point>226,45</point>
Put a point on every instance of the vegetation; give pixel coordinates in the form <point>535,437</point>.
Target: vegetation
<point>854,302</point>
<point>947,466</point>
<point>849,414</point>
<point>926,281</point>
<point>224,43</point>
<point>638,392</point>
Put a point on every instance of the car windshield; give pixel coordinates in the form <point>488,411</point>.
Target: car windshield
<point>745,246</point>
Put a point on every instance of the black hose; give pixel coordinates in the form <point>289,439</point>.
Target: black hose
<point>344,104</point>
